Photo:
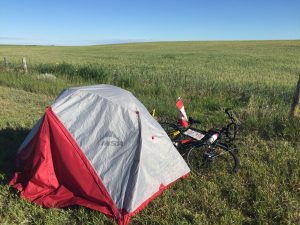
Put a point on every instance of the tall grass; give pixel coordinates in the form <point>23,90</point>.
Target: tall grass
<point>256,78</point>
<point>86,72</point>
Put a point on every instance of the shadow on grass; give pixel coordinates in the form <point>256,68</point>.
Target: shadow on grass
<point>10,140</point>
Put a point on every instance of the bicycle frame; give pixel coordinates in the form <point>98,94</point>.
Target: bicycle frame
<point>180,136</point>
<point>213,144</point>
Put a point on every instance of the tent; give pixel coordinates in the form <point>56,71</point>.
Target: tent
<point>98,147</point>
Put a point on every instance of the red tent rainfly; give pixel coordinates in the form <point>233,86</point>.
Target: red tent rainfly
<point>98,147</point>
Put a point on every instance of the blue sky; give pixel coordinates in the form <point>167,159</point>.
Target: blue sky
<point>88,22</point>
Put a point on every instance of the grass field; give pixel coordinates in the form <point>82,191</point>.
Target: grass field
<point>256,78</point>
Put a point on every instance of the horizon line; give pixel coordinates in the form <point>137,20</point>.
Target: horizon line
<point>120,42</point>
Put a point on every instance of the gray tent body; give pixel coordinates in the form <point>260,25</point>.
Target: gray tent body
<point>126,146</point>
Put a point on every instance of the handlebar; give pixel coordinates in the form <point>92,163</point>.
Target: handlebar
<point>230,130</point>
<point>232,127</point>
<point>229,114</point>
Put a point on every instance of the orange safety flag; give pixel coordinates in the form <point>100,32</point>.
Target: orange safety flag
<point>183,120</point>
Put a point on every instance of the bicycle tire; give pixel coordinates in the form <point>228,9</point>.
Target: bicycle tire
<point>224,159</point>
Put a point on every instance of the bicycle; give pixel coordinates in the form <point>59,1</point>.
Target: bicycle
<point>203,148</point>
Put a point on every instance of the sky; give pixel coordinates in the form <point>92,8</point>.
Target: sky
<point>90,22</point>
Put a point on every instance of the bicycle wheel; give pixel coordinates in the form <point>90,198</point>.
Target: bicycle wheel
<point>207,158</point>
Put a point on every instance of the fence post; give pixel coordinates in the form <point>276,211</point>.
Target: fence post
<point>296,99</point>
<point>5,63</point>
<point>24,64</point>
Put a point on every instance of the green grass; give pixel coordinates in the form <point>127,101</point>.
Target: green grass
<point>256,78</point>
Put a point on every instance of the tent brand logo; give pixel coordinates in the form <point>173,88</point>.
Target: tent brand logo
<point>110,139</point>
